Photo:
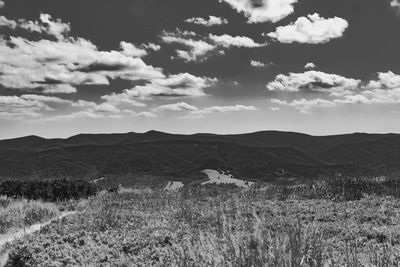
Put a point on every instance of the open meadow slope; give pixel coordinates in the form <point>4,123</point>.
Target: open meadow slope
<point>218,226</point>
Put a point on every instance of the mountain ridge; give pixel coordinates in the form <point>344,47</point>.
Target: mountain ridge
<point>256,156</point>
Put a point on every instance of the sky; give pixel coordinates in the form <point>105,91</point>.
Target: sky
<point>187,66</point>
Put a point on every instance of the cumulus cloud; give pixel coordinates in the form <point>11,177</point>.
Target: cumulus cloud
<point>236,108</point>
<point>173,86</point>
<point>195,112</point>
<point>131,50</point>
<point>178,85</point>
<point>197,49</point>
<point>305,105</point>
<point>146,114</point>
<point>200,113</point>
<point>310,65</point>
<point>227,41</point>
<point>152,46</point>
<point>44,98</point>
<point>15,107</point>
<point>58,63</point>
<point>312,29</point>
<point>395,3</point>
<point>6,23</point>
<point>181,106</point>
<point>387,80</point>
<point>263,10</point>
<point>143,50</point>
<point>54,27</point>
<point>106,107</point>
<point>2,4</point>
<point>38,107</point>
<point>106,114</point>
<point>316,81</point>
<point>122,99</point>
<point>46,25</point>
<point>257,64</point>
<point>74,116</point>
<point>212,20</point>
<point>59,66</point>
<point>337,90</point>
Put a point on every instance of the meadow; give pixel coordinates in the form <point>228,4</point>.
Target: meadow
<point>323,224</point>
<point>17,214</point>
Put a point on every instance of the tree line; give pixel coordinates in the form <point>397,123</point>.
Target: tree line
<point>49,190</point>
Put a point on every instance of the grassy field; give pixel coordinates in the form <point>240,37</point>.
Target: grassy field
<point>17,214</point>
<point>222,226</point>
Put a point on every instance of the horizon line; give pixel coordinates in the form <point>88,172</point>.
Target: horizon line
<point>199,133</point>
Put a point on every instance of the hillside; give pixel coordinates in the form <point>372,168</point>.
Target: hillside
<point>266,156</point>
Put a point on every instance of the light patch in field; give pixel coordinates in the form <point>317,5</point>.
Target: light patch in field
<point>129,190</point>
<point>221,178</point>
<point>98,180</point>
<point>172,186</point>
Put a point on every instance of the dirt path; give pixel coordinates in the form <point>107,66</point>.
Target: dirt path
<point>8,238</point>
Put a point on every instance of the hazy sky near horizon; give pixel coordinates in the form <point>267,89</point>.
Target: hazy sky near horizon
<point>185,66</point>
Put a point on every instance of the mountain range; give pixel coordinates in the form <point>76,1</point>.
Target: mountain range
<point>156,156</point>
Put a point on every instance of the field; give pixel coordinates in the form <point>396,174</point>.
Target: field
<point>18,214</point>
<point>222,226</point>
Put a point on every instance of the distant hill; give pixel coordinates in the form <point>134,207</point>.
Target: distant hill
<point>265,156</point>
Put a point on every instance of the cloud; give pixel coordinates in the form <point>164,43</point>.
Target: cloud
<point>263,10</point>
<point>131,50</point>
<point>312,29</point>
<point>45,25</point>
<point>195,112</point>
<point>92,114</point>
<point>59,66</point>
<point>74,116</point>
<point>395,3</point>
<point>201,112</point>
<point>386,80</point>
<point>15,107</point>
<point>147,114</point>
<point>227,41</point>
<point>221,109</point>
<point>337,90</point>
<point>310,65</point>
<point>198,49</point>
<point>33,105</point>
<point>2,4</point>
<point>106,107</point>
<point>316,81</point>
<point>181,106</point>
<point>210,22</point>
<point>235,108</point>
<point>6,23</point>
<point>56,28</point>
<point>44,98</point>
<point>305,105</point>
<point>122,99</point>
<point>58,89</point>
<point>385,90</point>
<point>257,64</point>
<point>177,85</point>
<point>152,46</point>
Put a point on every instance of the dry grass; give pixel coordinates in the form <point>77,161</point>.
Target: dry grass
<point>17,214</point>
<point>225,228</point>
